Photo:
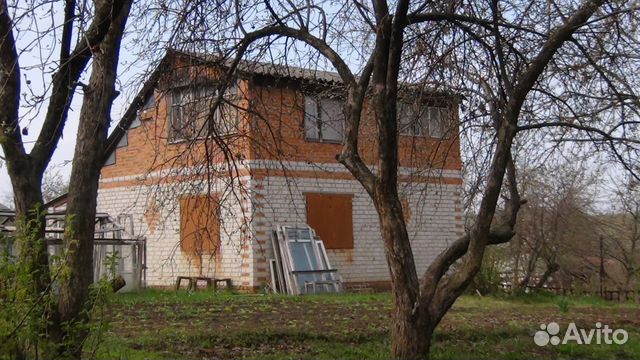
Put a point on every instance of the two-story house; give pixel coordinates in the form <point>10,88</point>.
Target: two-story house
<point>206,188</point>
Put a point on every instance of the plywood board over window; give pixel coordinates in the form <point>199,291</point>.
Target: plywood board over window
<point>199,224</point>
<point>330,215</point>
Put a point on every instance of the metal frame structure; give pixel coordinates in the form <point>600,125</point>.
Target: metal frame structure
<point>300,263</point>
<point>110,237</point>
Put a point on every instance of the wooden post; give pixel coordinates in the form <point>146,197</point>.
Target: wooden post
<point>601,265</point>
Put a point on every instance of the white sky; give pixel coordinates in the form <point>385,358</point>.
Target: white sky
<point>39,75</point>
<point>130,79</point>
<point>61,160</point>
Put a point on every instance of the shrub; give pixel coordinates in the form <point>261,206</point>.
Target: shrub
<point>563,304</point>
<point>489,279</point>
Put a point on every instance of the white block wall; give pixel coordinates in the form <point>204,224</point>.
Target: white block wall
<point>435,222</point>
<point>165,260</point>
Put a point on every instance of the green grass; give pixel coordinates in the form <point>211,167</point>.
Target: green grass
<point>156,324</point>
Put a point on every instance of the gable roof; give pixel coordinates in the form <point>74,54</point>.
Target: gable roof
<point>132,111</point>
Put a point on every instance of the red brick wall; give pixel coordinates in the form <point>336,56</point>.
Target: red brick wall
<point>278,128</point>
<point>273,129</point>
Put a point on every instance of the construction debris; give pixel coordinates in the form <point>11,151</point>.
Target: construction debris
<point>301,264</point>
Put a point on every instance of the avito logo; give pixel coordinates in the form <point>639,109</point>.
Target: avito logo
<point>550,334</point>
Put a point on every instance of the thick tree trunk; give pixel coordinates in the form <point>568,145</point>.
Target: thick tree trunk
<point>74,303</point>
<point>411,335</point>
<point>32,249</point>
<point>31,243</point>
<point>409,325</point>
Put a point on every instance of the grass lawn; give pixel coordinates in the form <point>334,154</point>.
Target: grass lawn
<point>158,324</point>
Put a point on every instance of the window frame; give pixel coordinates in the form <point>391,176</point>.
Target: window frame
<point>418,122</point>
<point>318,118</point>
<point>210,92</point>
<point>314,251</point>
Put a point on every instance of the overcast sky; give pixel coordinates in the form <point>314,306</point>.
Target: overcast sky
<point>37,64</point>
<point>130,71</point>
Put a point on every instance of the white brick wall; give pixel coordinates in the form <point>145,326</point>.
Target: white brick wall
<point>435,221</point>
<point>165,260</point>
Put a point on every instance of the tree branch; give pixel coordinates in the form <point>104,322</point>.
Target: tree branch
<point>449,288</point>
<point>65,81</point>
<point>10,137</point>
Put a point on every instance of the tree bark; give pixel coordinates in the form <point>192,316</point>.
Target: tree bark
<point>409,324</point>
<point>95,117</point>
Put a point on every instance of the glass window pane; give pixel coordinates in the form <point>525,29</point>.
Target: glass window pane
<point>299,234</point>
<point>227,113</point>
<point>303,256</point>
<point>404,119</point>
<point>332,119</point>
<point>413,119</point>
<point>422,120</point>
<point>311,128</point>
<point>436,121</point>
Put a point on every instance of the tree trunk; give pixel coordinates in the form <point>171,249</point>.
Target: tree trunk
<point>75,304</point>
<point>32,249</point>
<point>531,266</point>
<point>31,244</point>
<point>411,335</point>
<point>551,269</point>
<point>516,269</point>
<point>409,326</point>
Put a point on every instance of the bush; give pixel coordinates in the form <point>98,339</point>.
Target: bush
<point>563,304</point>
<point>24,311</point>
<point>26,321</point>
<point>489,279</point>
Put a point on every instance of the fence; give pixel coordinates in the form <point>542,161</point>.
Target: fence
<point>612,295</point>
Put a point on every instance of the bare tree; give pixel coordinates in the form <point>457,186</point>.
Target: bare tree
<point>558,215</point>
<point>26,168</point>
<point>622,234</point>
<point>102,35</point>
<point>526,59</point>
<point>95,118</point>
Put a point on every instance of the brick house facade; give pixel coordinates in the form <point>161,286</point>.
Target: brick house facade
<point>275,165</point>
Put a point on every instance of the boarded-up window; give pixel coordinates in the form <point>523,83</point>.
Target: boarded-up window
<point>330,216</point>
<point>199,224</point>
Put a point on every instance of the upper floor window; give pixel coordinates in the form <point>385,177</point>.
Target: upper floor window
<point>191,112</point>
<point>419,120</point>
<point>323,119</point>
